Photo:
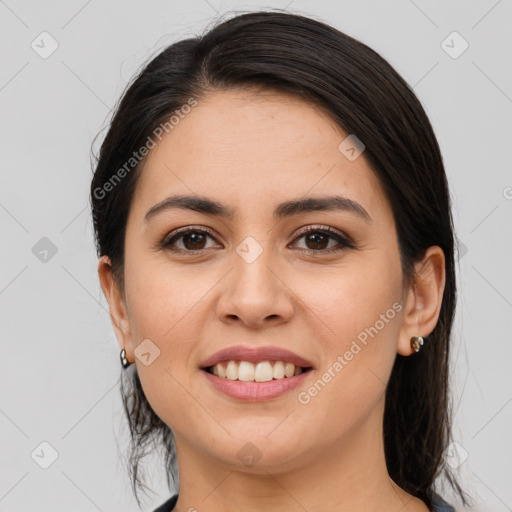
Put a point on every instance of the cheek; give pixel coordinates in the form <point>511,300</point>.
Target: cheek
<point>160,299</point>
<point>349,301</point>
<point>358,317</point>
<point>352,382</point>
<point>161,309</point>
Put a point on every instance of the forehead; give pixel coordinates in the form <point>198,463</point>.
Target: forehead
<point>251,148</point>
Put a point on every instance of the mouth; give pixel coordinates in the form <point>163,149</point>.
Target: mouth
<point>248,382</point>
<point>262,371</point>
<point>255,373</point>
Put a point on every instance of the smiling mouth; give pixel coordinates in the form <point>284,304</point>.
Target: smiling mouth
<point>263,371</point>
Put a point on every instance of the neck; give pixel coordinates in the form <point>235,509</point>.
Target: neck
<point>350,476</point>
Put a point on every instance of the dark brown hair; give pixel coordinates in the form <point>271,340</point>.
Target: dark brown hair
<point>365,96</point>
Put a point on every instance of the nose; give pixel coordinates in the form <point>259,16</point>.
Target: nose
<point>255,293</point>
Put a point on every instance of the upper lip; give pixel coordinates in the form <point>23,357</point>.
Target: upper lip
<point>255,355</point>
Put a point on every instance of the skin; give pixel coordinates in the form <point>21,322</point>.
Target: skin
<point>250,152</point>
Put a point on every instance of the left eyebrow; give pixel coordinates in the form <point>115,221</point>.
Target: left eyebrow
<point>330,203</point>
<point>209,206</point>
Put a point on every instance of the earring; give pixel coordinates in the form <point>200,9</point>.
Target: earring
<point>416,342</point>
<point>124,362</point>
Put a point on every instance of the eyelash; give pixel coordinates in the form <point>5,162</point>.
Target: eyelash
<point>326,230</point>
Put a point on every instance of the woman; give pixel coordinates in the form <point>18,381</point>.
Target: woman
<point>276,247</point>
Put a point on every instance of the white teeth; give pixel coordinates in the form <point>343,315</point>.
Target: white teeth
<point>232,370</point>
<point>263,371</point>
<point>245,371</point>
<point>289,369</point>
<point>278,370</point>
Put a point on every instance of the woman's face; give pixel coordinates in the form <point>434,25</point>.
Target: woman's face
<point>255,280</point>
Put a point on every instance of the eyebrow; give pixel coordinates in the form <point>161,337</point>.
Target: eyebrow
<point>208,206</point>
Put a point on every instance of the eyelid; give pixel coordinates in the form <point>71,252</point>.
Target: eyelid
<point>320,227</point>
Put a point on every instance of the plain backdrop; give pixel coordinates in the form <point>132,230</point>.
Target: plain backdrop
<point>59,398</point>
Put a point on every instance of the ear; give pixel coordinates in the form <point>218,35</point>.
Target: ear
<point>424,299</point>
<point>117,306</point>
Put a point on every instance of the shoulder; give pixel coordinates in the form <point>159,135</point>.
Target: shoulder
<point>439,505</point>
<point>168,505</point>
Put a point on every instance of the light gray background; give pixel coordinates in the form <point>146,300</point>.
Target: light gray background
<point>60,359</point>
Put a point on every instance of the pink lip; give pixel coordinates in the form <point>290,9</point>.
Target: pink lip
<point>255,355</point>
<point>255,391</point>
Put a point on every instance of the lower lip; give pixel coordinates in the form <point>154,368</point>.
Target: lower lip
<point>256,391</point>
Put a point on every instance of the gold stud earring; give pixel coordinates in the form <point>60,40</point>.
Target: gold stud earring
<point>416,342</point>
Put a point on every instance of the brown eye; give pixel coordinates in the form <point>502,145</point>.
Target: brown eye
<point>194,241</point>
<point>191,240</point>
<point>317,240</point>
